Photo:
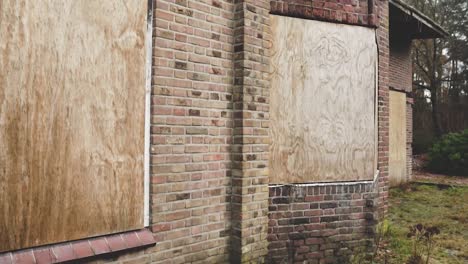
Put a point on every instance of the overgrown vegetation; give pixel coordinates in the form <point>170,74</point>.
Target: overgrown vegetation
<point>427,223</point>
<point>379,254</point>
<point>432,206</point>
<point>423,243</point>
<point>449,155</point>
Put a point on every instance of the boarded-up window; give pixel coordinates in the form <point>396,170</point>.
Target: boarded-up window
<point>397,138</point>
<point>322,110</point>
<point>72,116</point>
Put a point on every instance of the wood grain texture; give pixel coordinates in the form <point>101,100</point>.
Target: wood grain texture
<point>397,138</point>
<point>72,99</point>
<point>322,110</point>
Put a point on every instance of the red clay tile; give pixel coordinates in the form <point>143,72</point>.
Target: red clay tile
<point>44,256</point>
<point>6,258</point>
<point>146,237</point>
<point>116,242</point>
<point>23,257</point>
<point>63,252</point>
<point>82,249</point>
<point>132,239</point>
<point>99,245</point>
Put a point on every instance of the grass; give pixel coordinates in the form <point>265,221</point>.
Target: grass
<point>435,205</point>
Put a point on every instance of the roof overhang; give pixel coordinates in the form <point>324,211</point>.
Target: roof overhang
<point>415,24</point>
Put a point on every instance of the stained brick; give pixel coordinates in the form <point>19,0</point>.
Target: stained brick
<point>328,205</point>
<point>197,131</point>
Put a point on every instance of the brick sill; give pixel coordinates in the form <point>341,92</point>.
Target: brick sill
<point>80,249</point>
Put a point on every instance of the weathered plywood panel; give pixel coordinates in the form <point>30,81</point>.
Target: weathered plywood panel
<point>322,110</point>
<point>72,98</point>
<point>397,138</point>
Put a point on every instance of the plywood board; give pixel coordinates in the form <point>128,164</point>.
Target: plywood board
<point>397,138</point>
<point>322,110</point>
<point>72,109</point>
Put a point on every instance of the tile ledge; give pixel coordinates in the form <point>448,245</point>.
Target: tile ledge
<point>80,249</point>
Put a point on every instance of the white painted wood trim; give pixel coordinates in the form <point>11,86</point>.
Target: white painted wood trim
<point>345,183</point>
<point>149,54</point>
<point>376,109</point>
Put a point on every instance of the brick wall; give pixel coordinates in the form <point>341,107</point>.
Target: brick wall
<point>210,199</point>
<point>191,130</point>
<point>250,148</point>
<point>401,80</point>
<point>400,63</point>
<point>327,223</point>
<point>320,223</point>
<point>354,12</point>
<point>383,104</point>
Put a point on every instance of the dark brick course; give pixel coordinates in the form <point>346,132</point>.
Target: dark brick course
<point>320,224</point>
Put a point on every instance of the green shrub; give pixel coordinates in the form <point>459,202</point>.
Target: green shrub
<point>422,141</point>
<point>449,155</point>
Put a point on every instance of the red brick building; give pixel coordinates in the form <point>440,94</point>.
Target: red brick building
<point>205,178</point>
<point>417,26</point>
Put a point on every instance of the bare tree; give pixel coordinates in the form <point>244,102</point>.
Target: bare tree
<point>440,65</point>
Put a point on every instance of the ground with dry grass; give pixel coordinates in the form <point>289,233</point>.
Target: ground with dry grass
<point>432,200</point>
